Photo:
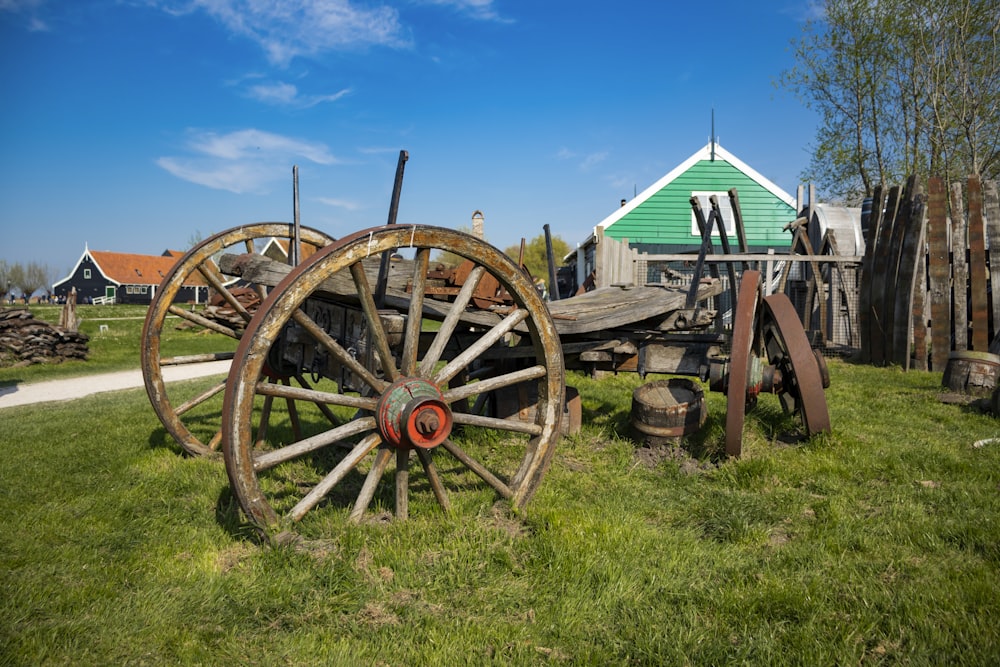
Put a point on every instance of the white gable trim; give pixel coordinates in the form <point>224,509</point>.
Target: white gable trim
<point>85,255</point>
<point>704,153</point>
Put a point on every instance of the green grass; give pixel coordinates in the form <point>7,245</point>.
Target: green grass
<point>878,544</point>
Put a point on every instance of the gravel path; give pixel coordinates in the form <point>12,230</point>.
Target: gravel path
<point>73,388</point>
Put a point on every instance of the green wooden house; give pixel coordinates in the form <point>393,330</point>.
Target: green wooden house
<point>659,220</point>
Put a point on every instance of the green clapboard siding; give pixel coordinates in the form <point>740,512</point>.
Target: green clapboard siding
<point>664,219</point>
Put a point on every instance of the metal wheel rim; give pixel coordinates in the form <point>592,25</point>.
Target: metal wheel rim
<point>283,303</point>
<point>743,338</point>
<point>786,344</point>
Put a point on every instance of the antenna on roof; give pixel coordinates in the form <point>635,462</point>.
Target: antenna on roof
<point>713,135</point>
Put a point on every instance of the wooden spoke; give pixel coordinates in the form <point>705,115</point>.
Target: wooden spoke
<point>375,328</point>
<point>475,466</point>
<point>346,465</point>
<point>200,398</point>
<point>382,458</point>
<point>314,396</point>
<point>451,321</point>
<point>402,484</point>
<point>415,315</point>
<point>492,384</point>
<point>339,353</point>
<point>334,436</point>
<point>434,479</point>
<point>512,425</point>
<point>488,339</point>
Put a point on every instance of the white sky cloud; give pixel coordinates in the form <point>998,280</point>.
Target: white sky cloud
<point>242,161</point>
<point>287,94</point>
<point>340,203</point>
<point>289,28</point>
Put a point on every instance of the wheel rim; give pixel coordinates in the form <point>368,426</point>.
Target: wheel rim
<point>406,390</point>
<point>176,407</point>
<point>788,349</point>
<point>737,394</point>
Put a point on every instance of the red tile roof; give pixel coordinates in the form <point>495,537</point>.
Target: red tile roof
<point>132,269</point>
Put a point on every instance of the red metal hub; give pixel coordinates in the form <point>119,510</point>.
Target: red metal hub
<point>412,413</point>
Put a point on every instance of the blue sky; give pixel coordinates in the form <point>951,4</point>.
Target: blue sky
<point>135,125</point>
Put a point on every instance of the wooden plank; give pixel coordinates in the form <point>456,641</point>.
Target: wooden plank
<point>899,227</point>
<point>939,273</point>
<point>910,255</point>
<point>977,268</point>
<point>991,210</point>
<point>920,315</point>
<point>867,265</point>
<point>959,270</point>
<point>881,277</point>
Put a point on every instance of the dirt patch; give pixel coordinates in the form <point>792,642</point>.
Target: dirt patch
<point>652,456</point>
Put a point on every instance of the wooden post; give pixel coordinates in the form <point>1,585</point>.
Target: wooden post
<point>959,269</point>
<point>977,268</point>
<point>938,273</point>
<point>991,207</point>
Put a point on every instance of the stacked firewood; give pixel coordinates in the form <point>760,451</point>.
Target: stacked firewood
<point>25,340</point>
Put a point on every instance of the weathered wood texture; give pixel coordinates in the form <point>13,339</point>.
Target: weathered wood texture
<point>938,272</point>
<point>930,271</point>
<point>977,268</point>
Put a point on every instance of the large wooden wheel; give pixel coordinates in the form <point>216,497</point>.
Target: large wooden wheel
<point>410,401</point>
<point>180,407</point>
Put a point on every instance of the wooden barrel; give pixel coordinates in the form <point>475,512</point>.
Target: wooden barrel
<point>665,411</point>
<point>971,372</point>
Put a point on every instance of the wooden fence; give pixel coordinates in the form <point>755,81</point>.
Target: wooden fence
<point>930,262</point>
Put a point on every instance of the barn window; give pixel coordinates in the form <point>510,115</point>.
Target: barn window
<point>706,208</point>
<point>143,289</point>
<point>86,274</point>
<point>129,289</point>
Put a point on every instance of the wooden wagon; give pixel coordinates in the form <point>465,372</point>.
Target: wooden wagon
<point>367,353</point>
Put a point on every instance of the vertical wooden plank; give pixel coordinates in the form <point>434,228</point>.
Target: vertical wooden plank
<point>977,268</point>
<point>899,227</point>
<point>867,267</point>
<point>991,209</point>
<point>881,277</point>
<point>911,253</point>
<point>959,270</point>
<point>939,273</point>
<point>919,315</point>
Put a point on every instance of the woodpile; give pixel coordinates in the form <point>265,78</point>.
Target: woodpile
<point>25,340</point>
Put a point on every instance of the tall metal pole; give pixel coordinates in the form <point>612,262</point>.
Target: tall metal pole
<point>383,268</point>
<point>293,251</point>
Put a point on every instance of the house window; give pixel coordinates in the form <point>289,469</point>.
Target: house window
<point>143,289</point>
<point>706,209</point>
<point>86,274</point>
<point>129,289</point>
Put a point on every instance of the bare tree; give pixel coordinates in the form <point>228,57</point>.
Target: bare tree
<point>902,87</point>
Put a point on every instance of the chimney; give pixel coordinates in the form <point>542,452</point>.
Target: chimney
<point>477,224</point>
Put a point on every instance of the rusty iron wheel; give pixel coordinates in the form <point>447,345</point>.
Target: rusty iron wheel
<point>741,357</point>
<point>788,350</point>
<point>174,406</point>
<point>405,400</point>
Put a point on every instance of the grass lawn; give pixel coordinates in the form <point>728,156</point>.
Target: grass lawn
<point>879,544</point>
